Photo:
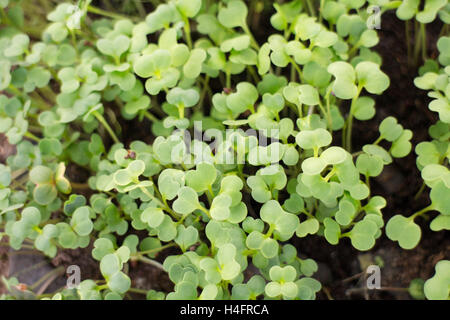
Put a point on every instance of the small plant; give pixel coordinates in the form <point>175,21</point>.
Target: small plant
<point>435,288</point>
<point>243,144</point>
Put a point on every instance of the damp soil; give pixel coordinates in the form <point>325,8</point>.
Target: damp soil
<point>340,266</point>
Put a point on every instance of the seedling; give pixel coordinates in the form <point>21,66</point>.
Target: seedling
<point>120,98</point>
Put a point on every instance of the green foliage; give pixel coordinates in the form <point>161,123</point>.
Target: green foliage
<point>75,102</point>
<point>437,287</point>
<point>432,156</point>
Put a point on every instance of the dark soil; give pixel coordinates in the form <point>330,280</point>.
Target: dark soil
<point>340,265</point>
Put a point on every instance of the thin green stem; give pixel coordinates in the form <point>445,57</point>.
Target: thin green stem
<point>14,90</point>
<point>322,3</point>
<point>417,42</point>
<point>380,138</point>
<point>354,49</point>
<point>408,40</point>
<point>30,268</point>
<point>348,140</point>
<point>57,271</point>
<point>105,124</point>
<point>151,262</point>
<point>270,231</point>
<point>422,188</point>
<point>32,136</point>
<point>154,250</point>
<point>160,203</point>
<point>297,68</point>
<point>73,38</point>
<point>311,9</point>
<point>140,8</point>
<point>424,41</point>
<point>252,38</point>
<point>150,116</point>
<point>4,16</point>
<point>102,287</point>
<point>330,174</point>
<point>108,14</point>
<point>444,30</point>
<point>421,212</point>
<point>187,32</point>
<point>205,89</point>
<point>206,211</point>
<point>48,94</point>
<point>253,74</point>
<point>300,111</point>
<point>325,113</point>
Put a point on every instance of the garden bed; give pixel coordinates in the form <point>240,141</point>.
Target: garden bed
<point>341,267</point>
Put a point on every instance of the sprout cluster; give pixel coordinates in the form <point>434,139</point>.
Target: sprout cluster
<point>274,160</point>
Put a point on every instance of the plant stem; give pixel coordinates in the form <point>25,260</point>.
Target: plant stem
<point>253,74</point>
<point>48,94</point>
<point>417,195</point>
<point>424,41</point>
<point>311,9</point>
<point>14,90</point>
<point>30,268</point>
<point>322,3</point>
<point>330,174</point>
<point>23,246</point>
<point>155,250</point>
<point>348,140</point>
<point>206,211</point>
<point>270,231</point>
<point>327,100</point>
<point>204,91</point>
<point>102,287</point>
<point>108,14</point>
<point>250,34</point>
<point>408,40</point>
<point>300,111</point>
<point>150,116</point>
<point>297,68</point>
<point>444,30</point>
<point>325,113</point>
<point>160,203</point>
<point>151,262</point>
<point>105,124</point>
<point>73,38</point>
<point>4,16</point>
<point>57,271</point>
<point>378,140</point>
<point>417,42</point>
<point>421,212</point>
<point>140,8</point>
<point>187,32</point>
<point>32,136</point>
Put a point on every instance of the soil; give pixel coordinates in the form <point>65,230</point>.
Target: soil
<point>340,266</point>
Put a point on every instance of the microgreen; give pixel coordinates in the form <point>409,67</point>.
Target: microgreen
<point>183,130</point>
